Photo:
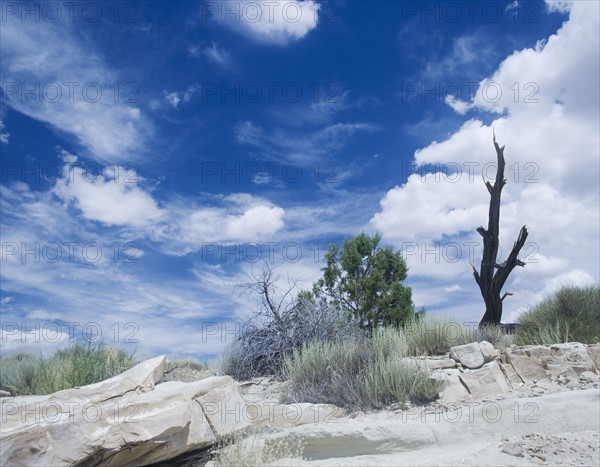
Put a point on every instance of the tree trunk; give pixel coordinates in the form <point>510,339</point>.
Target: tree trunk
<point>492,276</point>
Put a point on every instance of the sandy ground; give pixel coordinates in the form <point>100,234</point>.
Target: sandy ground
<point>553,429</point>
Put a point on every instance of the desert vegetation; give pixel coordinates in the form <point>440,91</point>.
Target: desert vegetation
<point>80,364</point>
<point>572,314</point>
<point>253,451</point>
<point>358,373</point>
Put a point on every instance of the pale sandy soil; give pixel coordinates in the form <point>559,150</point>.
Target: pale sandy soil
<point>553,429</point>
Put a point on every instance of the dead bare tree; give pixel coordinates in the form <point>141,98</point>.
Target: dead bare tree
<point>284,321</point>
<point>492,276</point>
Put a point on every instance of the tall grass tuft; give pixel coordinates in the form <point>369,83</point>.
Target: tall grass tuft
<point>78,365</point>
<point>358,373</point>
<point>572,314</point>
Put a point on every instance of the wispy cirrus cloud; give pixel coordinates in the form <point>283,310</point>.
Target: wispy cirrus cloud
<point>217,55</point>
<point>3,136</point>
<point>51,76</point>
<point>300,146</point>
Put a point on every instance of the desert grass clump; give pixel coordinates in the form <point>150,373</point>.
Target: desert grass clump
<point>254,451</point>
<point>432,335</point>
<point>359,373</point>
<point>189,362</point>
<point>572,314</point>
<point>491,333</point>
<point>78,365</point>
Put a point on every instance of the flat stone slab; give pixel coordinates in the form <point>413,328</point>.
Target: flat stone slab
<point>469,355</point>
<point>529,369</point>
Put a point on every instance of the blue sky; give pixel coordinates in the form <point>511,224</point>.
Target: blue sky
<point>154,154</point>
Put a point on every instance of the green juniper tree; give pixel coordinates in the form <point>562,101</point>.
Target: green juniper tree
<point>366,281</point>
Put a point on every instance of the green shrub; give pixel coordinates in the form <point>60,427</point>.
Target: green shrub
<point>78,365</point>
<point>572,314</point>
<point>358,373</point>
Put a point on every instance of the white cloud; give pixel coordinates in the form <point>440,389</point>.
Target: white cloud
<point>113,201</point>
<point>73,90</point>
<point>276,23</point>
<point>459,106</point>
<point>562,6</point>
<point>300,147</point>
<point>3,136</point>
<point>175,98</point>
<point>219,56</point>
<point>552,165</point>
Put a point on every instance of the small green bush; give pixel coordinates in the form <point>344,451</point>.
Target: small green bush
<point>358,373</point>
<point>572,314</point>
<point>28,374</point>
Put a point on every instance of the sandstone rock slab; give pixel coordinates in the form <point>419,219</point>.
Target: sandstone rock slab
<point>529,369</point>
<point>453,390</point>
<point>488,381</point>
<point>488,351</point>
<point>469,355</point>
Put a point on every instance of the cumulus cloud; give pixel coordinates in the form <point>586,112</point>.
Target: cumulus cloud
<point>545,100</point>
<point>272,23</point>
<point>113,197</point>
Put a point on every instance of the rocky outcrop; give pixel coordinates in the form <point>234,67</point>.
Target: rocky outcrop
<point>482,371</point>
<point>135,419</point>
<point>141,417</point>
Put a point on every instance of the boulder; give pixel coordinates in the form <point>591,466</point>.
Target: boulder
<point>487,382</point>
<point>469,355</point>
<point>453,389</point>
<point>594,353</point>
<point>126,420</point>
<point>488,351</point>
<point>225,410</point>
